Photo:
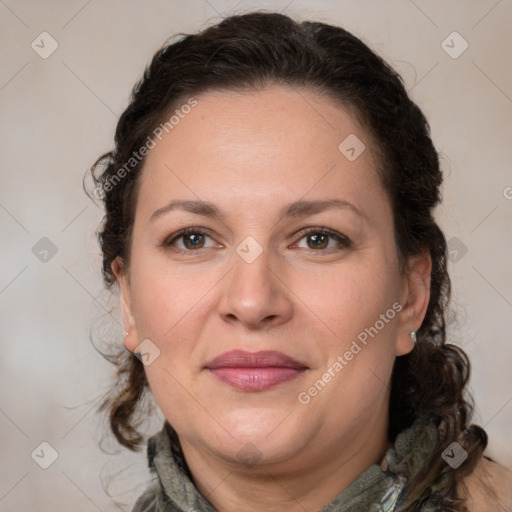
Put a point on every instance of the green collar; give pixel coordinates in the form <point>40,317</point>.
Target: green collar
<point>380,488</point>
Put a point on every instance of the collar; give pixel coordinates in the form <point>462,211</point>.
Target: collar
<point>380,488</point>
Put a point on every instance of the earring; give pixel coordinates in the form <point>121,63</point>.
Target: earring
<point>126,333</point>
<point>414,338</point>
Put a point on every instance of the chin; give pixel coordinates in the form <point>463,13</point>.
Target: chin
<point>260,435</point>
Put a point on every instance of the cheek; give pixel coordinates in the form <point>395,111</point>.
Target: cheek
<point>355,320</point>
<point>356,314</point>
<point>167,298</point>
<point>349,298</point>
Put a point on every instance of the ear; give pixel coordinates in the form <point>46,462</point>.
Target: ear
<point>123,280</point>
<point>415,296</point>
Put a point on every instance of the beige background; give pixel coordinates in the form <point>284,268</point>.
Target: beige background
<point>58,114</point>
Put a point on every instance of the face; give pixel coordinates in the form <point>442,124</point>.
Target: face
<point>294,254</point>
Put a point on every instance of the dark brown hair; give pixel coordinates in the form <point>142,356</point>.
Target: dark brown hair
<point>252,51</point>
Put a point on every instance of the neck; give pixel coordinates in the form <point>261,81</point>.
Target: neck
<point>295,485</point>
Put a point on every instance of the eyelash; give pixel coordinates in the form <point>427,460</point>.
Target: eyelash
<point>344,241</point>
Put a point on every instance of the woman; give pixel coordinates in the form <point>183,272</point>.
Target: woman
<point>283,282</point>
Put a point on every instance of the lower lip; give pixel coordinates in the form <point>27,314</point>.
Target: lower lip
<point>255,379</point>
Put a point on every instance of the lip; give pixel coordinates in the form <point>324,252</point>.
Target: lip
<point>254,371</point>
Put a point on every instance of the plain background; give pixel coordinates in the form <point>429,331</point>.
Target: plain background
<point>59,114</point>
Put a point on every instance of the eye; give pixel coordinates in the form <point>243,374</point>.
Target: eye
<point>193,240</point>
<point>320,238</point>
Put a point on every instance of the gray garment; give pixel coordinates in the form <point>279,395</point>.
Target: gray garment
<point>380,488</point>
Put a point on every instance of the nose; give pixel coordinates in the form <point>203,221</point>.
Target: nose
<point>256,294</point>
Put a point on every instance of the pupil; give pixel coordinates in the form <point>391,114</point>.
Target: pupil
<point>191,239</point>
<point>316,237</point>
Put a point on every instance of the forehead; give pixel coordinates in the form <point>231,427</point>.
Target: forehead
<point>271,146</point>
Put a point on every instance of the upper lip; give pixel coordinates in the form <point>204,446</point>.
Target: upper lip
<point>261,359</point>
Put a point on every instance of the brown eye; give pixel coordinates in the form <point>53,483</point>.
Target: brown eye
<point>192,239</point>
<point>319,239</point>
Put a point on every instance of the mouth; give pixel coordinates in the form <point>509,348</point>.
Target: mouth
<point>248,371</point>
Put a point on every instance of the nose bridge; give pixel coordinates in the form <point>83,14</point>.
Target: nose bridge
<point>254,293</point>
<point>251,279</point>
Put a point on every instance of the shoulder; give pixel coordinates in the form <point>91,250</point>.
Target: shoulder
<point>489,487</point>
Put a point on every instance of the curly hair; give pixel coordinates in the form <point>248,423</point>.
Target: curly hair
<point>249,52</point>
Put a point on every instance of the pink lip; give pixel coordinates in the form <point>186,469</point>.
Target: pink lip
<point>258,371</point>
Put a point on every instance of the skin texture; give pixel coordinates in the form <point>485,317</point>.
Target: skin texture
<point>250,154</point>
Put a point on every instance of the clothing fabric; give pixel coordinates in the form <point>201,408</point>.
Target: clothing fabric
<point>380,488</point>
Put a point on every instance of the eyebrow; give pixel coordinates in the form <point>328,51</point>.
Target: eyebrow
<point>296,209</point>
